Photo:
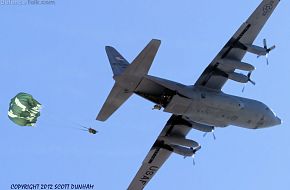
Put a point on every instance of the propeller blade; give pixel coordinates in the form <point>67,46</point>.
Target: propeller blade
<point>265,53</point>
<point>214,137</point>
<point>271,48</point>
<point>243,88</point>
<point>253,83</point>
<point>265,43</point>
<point>268,51</point>
<point>267,60</point>
<point>249,78</point>
<point>193,162</point>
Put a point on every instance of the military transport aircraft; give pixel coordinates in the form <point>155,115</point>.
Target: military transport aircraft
<point>202,106</point>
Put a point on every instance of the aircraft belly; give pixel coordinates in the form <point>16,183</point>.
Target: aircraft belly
<point>209,111</point>
<point>209,116</point>
<point>219,111</point>
<point>247,117</point>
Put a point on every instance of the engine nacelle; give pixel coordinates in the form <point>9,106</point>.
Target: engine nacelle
<point>238,77</point>
<point>172,140</point>
<point>199,127</point>
<point>253,48</point>
<point>256,49</point>
<point>236,65</point>
<point>183,151</point>
<point>202,127</point>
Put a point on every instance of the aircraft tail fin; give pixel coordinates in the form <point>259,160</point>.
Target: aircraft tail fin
<point>127,76</point>
<point>117,61</point>
<point>142,63</point>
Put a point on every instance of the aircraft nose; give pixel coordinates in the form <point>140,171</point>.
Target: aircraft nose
<point>278,121</point>
<point>273,121</point>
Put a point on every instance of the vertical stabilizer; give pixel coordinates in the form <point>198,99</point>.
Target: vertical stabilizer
<point>127,76</point>
<point>117,61</point>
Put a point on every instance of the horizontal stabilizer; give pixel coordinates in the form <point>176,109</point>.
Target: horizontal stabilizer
<point>127,76</point>
<point>115,99</point>
<point>142,63</point>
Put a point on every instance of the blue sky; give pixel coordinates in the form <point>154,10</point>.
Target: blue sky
<point>56,53</point>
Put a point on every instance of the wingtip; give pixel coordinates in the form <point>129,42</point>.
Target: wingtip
<point>108,48</point>
<point>99,118</point>
<point>156,40</point>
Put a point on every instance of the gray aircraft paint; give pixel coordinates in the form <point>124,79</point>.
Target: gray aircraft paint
<point>201,106</point>
<point>216,108</point>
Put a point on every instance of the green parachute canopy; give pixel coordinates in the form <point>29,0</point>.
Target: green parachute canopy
<point>24,109</point>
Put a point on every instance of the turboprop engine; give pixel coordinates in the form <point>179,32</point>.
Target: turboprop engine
<point>181,146</point>
<point>183,122</point>
<point>183,151</point>
<point>234,64</point>
<point>239,77</point>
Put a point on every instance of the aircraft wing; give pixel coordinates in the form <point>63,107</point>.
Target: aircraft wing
<point>215,75</point>
<point>159,152</point>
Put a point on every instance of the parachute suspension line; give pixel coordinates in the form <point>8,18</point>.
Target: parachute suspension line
<point>73,124</point>
<point>56,118</point>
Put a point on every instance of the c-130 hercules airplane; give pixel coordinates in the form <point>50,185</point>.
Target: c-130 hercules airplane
<point>202,106</point>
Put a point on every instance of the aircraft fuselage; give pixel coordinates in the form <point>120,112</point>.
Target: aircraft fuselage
<point>206,106</point>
